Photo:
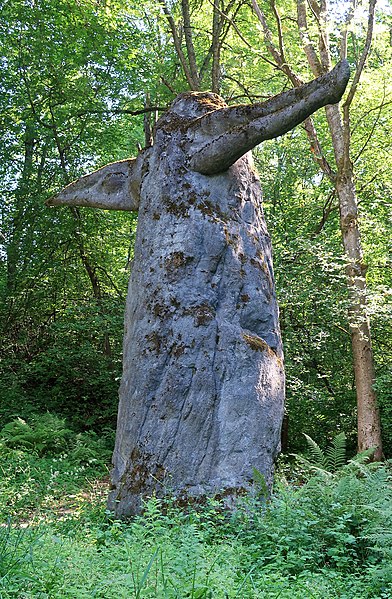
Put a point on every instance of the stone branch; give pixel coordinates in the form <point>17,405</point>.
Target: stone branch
<point>227,134</point>
<point>112,187</point>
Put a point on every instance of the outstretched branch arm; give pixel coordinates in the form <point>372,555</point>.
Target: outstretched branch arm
<point>228,133</point>
<point>112,187</point>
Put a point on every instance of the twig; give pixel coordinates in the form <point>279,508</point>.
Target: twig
<point>364,55</point>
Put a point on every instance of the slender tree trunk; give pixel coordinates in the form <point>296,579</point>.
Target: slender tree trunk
<point>369,425</point>
<point>19,211</point>
<point>215,72</point>
<point>220,27</point>
<point>189,71</point>
<point>92,275</point>
<point>147,122</point>
<point>189,43</point>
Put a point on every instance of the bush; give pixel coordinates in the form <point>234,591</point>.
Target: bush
<point>336,521</point>
<point>46,434</point>
<point>64,369</point>
<point>43,460</point>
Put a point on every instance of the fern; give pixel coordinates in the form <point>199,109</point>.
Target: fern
<point>46,434</point>
<point>326,462</point>
<point>335,454</point>
<point>317,454</point>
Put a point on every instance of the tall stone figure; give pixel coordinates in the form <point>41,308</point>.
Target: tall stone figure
<point>202,392</point>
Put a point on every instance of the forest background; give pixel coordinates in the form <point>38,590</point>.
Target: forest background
<point>81,84</point>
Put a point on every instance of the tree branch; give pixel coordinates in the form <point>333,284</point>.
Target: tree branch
<point>308,124</point>
<point>309,49</point>
<point>364,55</point>
<point>242,38</point>
<point>344,31</point>
<point>280,34</point>
<point>370,133</point>
<point>189,43</point>
<point>177,45</point>
<point>279,59</point>
<point>325,56</point>
<point>327,209</point>
<point>221,32</point>
<point>354,85</point>
<point>315,8</point>
<point>216,47</point>
<point>119,292</point>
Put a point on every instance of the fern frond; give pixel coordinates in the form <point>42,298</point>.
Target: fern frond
<point>317,458</point>
<point>310,465</point>
<point>335,454</point>
<point>363,456</point>
<point>356,468</point>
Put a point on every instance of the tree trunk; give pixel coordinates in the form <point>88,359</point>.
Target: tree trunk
<point>89,267</point>
<point>18,220</point>
<point>369,425</point>
<point>216,48</point>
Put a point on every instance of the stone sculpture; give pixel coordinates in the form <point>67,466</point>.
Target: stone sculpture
<point>202,393</point>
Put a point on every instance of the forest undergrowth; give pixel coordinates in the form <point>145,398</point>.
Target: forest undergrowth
<point>325,531</point>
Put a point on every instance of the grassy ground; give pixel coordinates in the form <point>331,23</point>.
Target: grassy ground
<point>320,536</point>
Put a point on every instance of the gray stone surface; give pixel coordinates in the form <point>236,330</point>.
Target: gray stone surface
<point>201,399</point>
<point>115,186</point>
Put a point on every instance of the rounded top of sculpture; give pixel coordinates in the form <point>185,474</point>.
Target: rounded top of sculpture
<point>188,107</point>
<point>195,104</point>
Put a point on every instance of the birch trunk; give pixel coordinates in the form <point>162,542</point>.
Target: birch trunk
<point>369,425</point>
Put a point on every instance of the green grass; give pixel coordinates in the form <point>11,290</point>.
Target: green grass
<point>320,536</point>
